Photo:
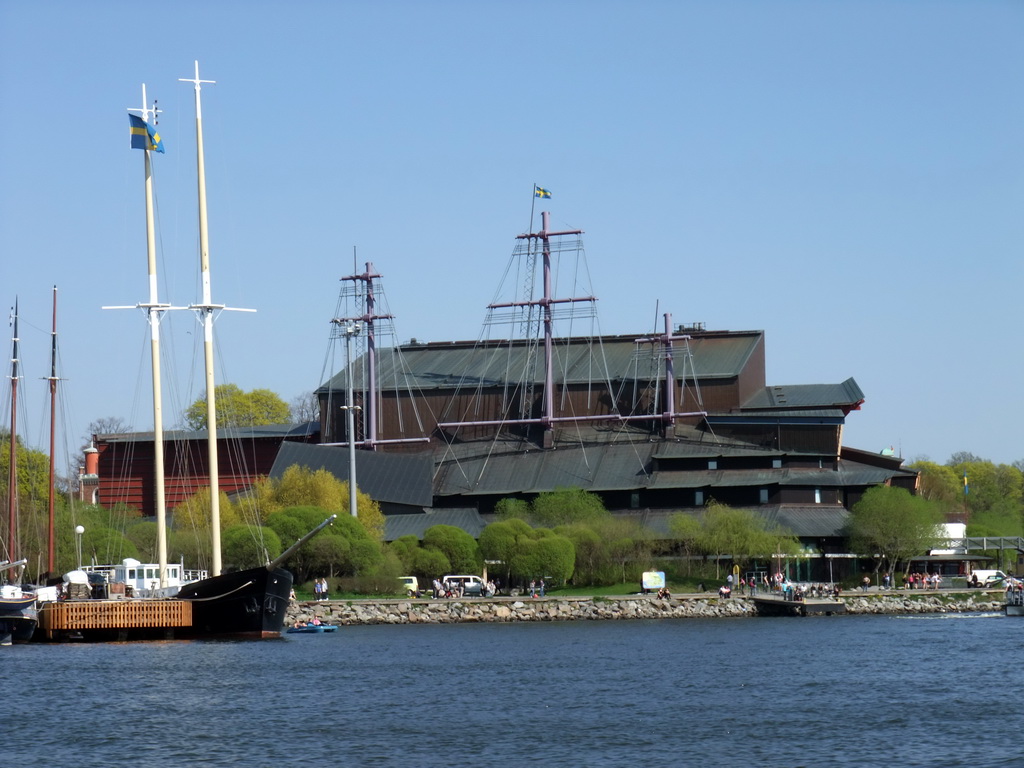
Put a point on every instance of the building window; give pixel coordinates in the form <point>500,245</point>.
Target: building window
<point>817,495</point>
<point>764,495</point>
<point>776,463</point>
<point>712,464</point>
<point>698,498</point>
<point>634,500</point>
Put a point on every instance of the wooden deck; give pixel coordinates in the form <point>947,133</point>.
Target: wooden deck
<point>769,605</point>
<point>118,619</point>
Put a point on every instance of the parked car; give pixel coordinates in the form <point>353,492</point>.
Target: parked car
<point>472,586</point>
<point>985,578</point>
<point>411,584</point>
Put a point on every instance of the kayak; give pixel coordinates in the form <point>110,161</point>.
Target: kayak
<point>313,628</point>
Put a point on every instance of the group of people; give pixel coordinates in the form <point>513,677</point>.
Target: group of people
<point>922,580</point>
<point>320,589</point>
<point>456,588</point>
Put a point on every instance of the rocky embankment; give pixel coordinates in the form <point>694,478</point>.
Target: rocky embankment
<point>910,603</point>
<point>427,611</point>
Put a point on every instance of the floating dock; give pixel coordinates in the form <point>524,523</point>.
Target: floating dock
<point>127,619</point>
<point>812,606</point>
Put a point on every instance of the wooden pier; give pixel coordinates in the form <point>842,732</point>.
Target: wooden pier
<point>127,619</point>
<point>769,605</point>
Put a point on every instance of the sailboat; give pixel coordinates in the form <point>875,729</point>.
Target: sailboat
<point>251,602</point>
<point>245,604</point>
<point>18,616</point>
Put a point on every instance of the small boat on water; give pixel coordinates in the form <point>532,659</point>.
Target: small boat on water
<point>18,616</point>
<point>308,629</point>
<point>1014,605</point>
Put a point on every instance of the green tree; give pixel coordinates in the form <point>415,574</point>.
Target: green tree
<point>993,498</point>
<point>894,524</point>
<point>939,483</point>
<point>237,408</point>
<point>405,549</point>
<point>458,546</point>
<point>554,557</point>
<point>527,553</point>
<point>302,487</point>
<point>429,564</point>
<point>509,508</point>
<point>740,536</point>
<point>143,535</point>
<point>501,542</point>
<point>245,547</point>
<point>566,505</point>
<point>358,552</point>
<point>686,532</point>
<point>590,551</point>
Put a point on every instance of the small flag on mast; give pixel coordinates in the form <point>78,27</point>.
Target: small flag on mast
<point>144,136</point>
<point>540,191</point>
<point>967,488</point>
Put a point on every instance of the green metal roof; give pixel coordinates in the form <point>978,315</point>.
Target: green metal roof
<point>802,396</point>
<point>390,478</point>
<point>496,469</point>
<point>446,365</point>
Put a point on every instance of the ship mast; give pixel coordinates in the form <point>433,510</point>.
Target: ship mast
<point>206,312</point>
<point>51,548</point>
<point>154,312</point>
<point>12,478</point>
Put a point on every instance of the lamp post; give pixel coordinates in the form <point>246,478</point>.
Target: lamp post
<point>79,530</point>
<point>350,421</point>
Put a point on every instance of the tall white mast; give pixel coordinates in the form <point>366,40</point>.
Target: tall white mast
<point>154,311</point>
<point>206,311</point>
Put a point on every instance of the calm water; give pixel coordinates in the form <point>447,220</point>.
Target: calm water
<point>865,691</point>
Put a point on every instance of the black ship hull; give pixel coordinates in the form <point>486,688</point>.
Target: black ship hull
<point>18,620</point>
<point>243,604</point>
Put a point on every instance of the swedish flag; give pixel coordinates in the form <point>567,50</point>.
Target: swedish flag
<point>540,192</point>
<point>144,135</point>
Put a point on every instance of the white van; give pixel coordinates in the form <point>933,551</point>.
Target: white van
<point>986,578</point>
<point>470,585</point>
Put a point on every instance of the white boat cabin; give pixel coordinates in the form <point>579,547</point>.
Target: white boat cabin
<point>143,579</point>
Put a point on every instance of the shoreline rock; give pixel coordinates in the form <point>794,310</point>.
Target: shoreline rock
<point>507,610</point>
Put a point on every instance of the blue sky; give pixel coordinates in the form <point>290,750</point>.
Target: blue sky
<point>846,176</point>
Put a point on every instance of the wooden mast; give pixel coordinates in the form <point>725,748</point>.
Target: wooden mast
<point>12,464</point>
<point>51,547</point>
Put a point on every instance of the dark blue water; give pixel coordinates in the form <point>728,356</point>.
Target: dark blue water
<point>865,691</point>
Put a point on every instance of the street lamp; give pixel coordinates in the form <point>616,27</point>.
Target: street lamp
<point>79,530</point>
<point>350,421</point>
